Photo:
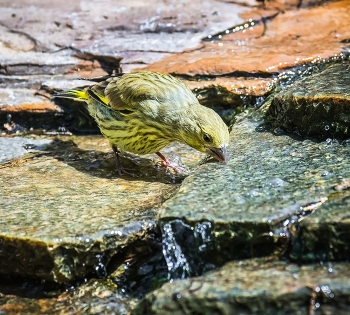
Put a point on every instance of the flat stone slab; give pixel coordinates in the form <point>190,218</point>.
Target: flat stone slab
<point>65,211</point>
<point>14,100</point>
<point>131,27</point>
<point>244,208</point>
<point>59,43</point>
<point>318,105</point>
<point>260,48</point>
<point>255,287</point>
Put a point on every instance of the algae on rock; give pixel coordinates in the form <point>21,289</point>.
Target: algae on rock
<point>318,105</point>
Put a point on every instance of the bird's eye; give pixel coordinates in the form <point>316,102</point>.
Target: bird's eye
<point>206,138</point>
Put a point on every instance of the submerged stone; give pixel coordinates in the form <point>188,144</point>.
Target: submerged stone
<point>65,212</point>
<point>317,106</point>
<point>245,208</point>
<point>255,287</point>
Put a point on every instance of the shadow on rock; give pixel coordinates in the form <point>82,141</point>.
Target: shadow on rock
<point>102,164</point>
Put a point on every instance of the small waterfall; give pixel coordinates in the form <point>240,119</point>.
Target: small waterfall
<point>186,248</point>
<point>178,266</point>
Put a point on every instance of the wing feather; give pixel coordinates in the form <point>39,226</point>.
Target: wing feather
<point>129,91</point>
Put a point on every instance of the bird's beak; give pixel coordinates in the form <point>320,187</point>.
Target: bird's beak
<point>218,153</point>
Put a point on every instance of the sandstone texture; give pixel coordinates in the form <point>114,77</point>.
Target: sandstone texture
<point>288,38</point>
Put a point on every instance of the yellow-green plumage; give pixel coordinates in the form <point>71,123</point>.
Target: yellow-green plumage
<point>143,112</point>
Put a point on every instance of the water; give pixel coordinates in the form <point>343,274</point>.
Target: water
<point>178,266</point>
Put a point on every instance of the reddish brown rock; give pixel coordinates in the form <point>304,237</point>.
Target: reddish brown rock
<point>85,39</point>
<point>290,38</point>
<point>251,86</point>
<point>12,100</point>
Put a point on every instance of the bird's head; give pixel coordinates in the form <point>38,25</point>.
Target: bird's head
<point>206,132</point>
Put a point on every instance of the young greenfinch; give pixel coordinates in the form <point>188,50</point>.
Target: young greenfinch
<point>142,112</point>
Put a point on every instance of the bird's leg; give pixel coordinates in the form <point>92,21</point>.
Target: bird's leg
<point>121,169</point>
<point>167,164</point>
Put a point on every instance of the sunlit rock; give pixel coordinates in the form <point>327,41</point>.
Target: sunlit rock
<point>65,211</point>
<point>318,105</point>
<point>288,39</point>
<point>255,287</point>
<point>244,208</point>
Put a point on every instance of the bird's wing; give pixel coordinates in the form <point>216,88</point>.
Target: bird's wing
<point>98,93</point>
<point>129,91</point>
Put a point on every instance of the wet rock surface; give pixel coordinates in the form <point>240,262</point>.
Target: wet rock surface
<point>317,106</point>
<point>18,146</point>
<point>75,211</point>
<point>324,234</point>
<point>244,208</point>
<point>255,287</point>
<point>93,297</point>
<point>67,218</point>
<point>263,47</point>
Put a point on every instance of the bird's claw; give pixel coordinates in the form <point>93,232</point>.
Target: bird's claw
<point>177,168</point>
<point>123,171</point>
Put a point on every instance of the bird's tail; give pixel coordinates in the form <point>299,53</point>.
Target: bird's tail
<point>78,94</point>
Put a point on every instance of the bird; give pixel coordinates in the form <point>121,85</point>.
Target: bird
<point>143,112</point>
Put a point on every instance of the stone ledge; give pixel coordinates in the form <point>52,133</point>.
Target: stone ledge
<point>255,287</point>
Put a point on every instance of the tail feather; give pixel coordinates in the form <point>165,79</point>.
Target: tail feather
<point>78,94</point>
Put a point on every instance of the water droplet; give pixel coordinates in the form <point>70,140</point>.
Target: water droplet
<point>325,173</point>
<point>286,222</point>
<point>253,193</point>
<point>329,141</point>
<point>277,182</point>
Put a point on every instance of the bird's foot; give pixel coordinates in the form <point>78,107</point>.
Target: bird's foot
<point>121,170</point>
<point>125,171</point>
<point>169,165</point>
<point>176,167</point>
